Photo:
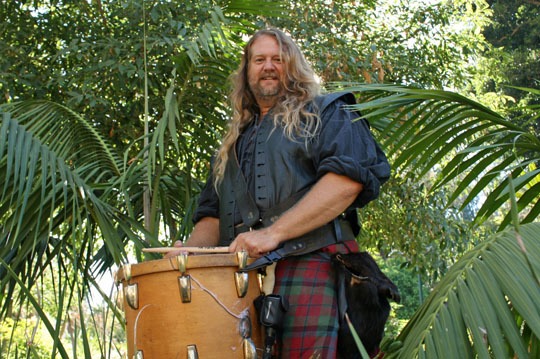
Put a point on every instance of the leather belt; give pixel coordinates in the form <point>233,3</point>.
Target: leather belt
<point>334,232</point>
<point>253,218</point>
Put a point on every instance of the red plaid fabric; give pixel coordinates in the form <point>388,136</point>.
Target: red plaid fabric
<point>311,324</point>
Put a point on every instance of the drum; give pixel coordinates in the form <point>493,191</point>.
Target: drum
<point>191,306</point>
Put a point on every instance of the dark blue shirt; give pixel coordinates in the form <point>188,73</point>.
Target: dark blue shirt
<point>344,145</point>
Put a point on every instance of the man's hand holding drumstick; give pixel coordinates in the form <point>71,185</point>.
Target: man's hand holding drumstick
<point>205,234</point>
<point>205,237</point>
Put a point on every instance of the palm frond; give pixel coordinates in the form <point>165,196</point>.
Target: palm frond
<point>48,202</point>
<point>64,132</point>
<point>459,140</point>
<point>487,304</point>
<point>210,37</point>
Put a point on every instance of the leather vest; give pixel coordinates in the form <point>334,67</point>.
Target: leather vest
<point>283,168</point>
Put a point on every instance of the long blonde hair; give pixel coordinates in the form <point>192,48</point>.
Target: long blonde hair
<point>300,88</point>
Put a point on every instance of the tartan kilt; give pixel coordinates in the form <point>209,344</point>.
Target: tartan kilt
<point>310,328</point>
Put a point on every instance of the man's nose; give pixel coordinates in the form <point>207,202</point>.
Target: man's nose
<point>268,65</point>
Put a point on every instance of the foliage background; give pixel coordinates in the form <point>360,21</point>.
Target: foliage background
<point>125,100</point>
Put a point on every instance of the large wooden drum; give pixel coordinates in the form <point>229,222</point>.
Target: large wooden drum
<point>191,306</point>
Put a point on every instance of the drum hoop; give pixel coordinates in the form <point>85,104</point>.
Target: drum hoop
<point>171,264</point>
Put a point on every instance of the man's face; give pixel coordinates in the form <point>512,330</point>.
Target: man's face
<point>265,69</point>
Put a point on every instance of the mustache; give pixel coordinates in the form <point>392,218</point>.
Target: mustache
<point>269,75</point>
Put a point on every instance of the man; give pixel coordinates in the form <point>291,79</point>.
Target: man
<point>291,149</point>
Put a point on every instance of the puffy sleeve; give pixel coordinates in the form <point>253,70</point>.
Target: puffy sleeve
<point>208,202</point>
<point>346,146</point>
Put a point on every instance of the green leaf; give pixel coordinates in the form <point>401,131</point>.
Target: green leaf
<point>483,303</point>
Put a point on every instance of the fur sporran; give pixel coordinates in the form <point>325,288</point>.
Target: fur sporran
<point>364,291</point>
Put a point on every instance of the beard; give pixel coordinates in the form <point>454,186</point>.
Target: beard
<point>263,90</point>
<point>266,91</point>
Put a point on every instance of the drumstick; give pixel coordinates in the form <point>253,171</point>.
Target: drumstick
<point>187,249</point>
